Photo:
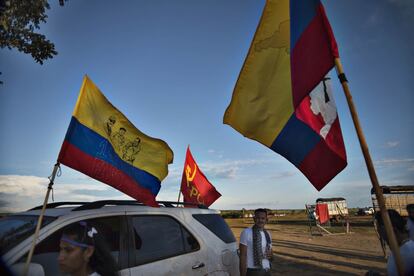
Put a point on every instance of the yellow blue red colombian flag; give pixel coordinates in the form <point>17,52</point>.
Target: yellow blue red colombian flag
<point>103,144</point>
<point>282,98</point>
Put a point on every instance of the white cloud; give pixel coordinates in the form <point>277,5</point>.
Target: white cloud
<point>221,172</point>
<point>394,162</point>
<point>173,177</point>
<point>214,152</point>
<point>228,169</point>
<point>392,144</point>
<point>169,194</point>
<point>283,174</point>
<point>19,192</point>
<point>26,186</point>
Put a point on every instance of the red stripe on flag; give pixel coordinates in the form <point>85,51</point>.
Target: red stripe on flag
<point>106,173</point>
<point>334,138</point>
<point>320,173</point>
<point>328,28</point>
<point>306,115</point>
<point>335,141</point>
<point>312,57</point>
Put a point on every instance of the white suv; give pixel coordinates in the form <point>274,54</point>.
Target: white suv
<point>143,240</point>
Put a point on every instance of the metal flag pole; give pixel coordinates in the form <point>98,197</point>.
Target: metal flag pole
<point>179,195</point>
<point>39,221</point>
<point>371,170</point>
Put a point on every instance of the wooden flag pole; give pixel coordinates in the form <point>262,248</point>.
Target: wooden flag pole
<point>40,219</point>
<point>371,170</point>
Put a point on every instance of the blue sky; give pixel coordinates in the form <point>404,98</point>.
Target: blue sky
<point>170,67</point>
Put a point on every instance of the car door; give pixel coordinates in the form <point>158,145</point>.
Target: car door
<point>161,245</point>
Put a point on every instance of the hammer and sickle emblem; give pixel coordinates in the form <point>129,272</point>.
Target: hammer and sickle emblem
<point>190,175</point>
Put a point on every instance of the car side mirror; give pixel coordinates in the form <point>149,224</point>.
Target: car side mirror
<point>34,269</point>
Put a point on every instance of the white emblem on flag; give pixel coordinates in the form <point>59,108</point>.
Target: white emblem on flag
<point>322,101</point>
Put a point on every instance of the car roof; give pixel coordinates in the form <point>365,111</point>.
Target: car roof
<point>58,209</point>
<point>56,212</point>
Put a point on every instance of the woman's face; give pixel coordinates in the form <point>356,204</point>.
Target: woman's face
<point>74,259</point>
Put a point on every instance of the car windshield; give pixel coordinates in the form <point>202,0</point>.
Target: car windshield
<point>14,229</point>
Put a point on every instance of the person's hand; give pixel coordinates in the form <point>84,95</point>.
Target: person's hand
<point>269,253</point>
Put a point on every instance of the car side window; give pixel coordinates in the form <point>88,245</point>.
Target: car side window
<point>46,253</point>
<point>160,237</point>
<point>217,225</point>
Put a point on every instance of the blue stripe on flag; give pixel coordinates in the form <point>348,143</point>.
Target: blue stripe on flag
<point>301,14</point>
<point>295,141</point>
<point>97,146</point>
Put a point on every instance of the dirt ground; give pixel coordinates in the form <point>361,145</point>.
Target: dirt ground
<point>297,252</point>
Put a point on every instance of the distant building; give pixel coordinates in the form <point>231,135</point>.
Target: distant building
<point>337,206</point>
<point>396,197</point>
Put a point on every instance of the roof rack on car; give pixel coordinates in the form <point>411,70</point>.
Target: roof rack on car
<point>184,204</point>
<point>101,203</point>
<point>57,204</point>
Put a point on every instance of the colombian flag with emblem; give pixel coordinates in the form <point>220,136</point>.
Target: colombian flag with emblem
<point>195,187</point>
<point>103,144</point>
<point>282,97</point>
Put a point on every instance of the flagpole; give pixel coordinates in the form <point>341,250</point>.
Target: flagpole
<point>371,170</point>
<point>40,219</point>
<point>179,195</point>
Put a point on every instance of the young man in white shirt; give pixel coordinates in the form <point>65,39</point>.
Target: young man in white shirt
<point>256,247</point>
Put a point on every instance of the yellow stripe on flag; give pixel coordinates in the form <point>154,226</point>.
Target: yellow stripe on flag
<point>94,111</point>
<point>262,98</point>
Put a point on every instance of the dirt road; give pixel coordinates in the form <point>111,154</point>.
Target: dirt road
<point>299,253</point>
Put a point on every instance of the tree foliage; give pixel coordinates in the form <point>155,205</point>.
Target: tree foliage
<point>19,19</point>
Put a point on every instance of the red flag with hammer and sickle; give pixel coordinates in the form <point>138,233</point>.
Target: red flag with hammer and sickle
<point>195,187</point>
